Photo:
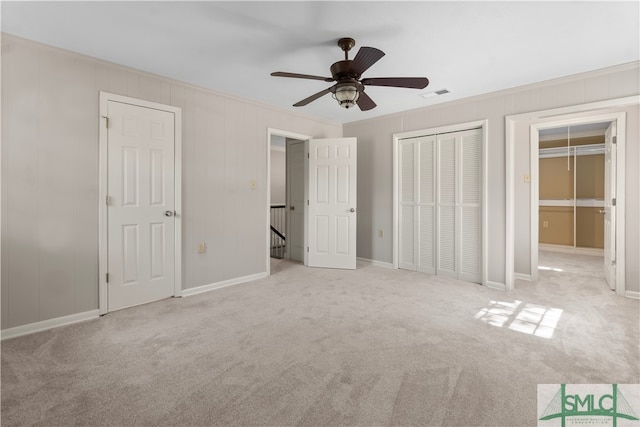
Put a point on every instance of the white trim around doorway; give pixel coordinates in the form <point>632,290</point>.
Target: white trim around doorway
<point>537,120</point>
<point>620,119</point>
<point>286,134</point>
<point>105,97</point>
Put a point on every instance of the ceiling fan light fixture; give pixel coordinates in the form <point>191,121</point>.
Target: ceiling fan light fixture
<point>346,95</point>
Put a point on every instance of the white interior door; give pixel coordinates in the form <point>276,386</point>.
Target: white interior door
<point>141,199</point>
<point>295,200</point>
<point>610,159</point>
<point>332,203</point>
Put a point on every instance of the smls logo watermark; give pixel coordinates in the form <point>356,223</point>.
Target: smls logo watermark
<point>588,405</point>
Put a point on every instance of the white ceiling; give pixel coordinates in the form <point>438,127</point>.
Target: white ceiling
<point>470,48</point>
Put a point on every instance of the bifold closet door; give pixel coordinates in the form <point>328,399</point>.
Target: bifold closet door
<point>407,205</point>
<point>470,229</point>
<point>447,237</point>
<point>459,208</point>
<point>426,206</point>
<point>440,211</point>
<point>417,204</point>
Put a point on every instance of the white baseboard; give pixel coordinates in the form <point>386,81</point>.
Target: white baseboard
<point>632,294</point>
<point>43,325</point>
<point>223,284</point>
<point>522,276</point>
<point>496,285</point>
<point>375,262</point>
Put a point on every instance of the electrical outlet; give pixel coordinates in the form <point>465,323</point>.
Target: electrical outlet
<point>545,224</point>
<point>202,247</point>
<point>381,233</point>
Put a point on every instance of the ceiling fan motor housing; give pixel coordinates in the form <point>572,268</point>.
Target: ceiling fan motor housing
<point>343,69</point>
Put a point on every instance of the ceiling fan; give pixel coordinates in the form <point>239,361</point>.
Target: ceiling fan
<point>349,87</point>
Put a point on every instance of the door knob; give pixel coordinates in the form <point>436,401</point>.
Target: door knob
<point>352,210</point>
<point>601,211</point>
<point>292,208</point>
<point>168,213</point>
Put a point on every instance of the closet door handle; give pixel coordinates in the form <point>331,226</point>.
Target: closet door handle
<point>601,211</point>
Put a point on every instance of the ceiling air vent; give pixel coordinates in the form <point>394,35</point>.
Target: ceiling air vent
<point>435,93</point>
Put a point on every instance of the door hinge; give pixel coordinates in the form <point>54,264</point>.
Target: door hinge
<point>307,202</point>
<point>307,155</point>
<point>107,277</point>
<point>108,200</point>
<point>307,248</point>
<point>106,121</point>
<point>613,201</point>
<point>614,140</point>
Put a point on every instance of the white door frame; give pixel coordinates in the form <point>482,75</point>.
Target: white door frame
<point>285,134</point>
<point>620,119</point>
<point>105,97</point>
<point>577,114</point>
<point>484,125</point>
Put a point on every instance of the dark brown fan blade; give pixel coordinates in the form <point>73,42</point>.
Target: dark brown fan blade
<point>301,76</point>
<point>365,58</point>
<point>312,98</point>
<point>365,102</point>
<point>408,82</point>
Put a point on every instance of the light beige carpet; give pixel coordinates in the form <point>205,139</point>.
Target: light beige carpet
<point>316,347</point>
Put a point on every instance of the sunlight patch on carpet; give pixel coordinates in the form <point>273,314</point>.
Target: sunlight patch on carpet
<point>522,317</point>
<point>542,267</point>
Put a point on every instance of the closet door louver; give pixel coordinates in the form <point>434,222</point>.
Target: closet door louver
<point>447,197</point>
<point>470,144</point>
<point>407,186</point>
<point>426,205</point>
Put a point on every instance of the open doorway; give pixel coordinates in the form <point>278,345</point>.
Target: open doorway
<point>325,219</point>
<point>521,213</point>
<point>576,192</point>
<point>286,195</point>
<point>571,201</point>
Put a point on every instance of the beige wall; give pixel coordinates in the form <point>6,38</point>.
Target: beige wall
<point>556,224</point>
<point>50,177</point>
<point>559,225</point>
<point>556,178</point>
<point>375,161</point>
<point>589,228</point>
<point>590,177</point>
